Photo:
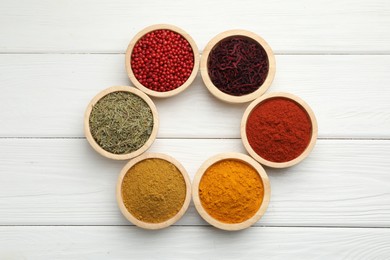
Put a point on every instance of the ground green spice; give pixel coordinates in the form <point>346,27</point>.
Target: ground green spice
<point>153,190</point>
<point>121,122</point>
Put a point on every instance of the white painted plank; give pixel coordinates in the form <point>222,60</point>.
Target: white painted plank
<point>64,182</point>
<point>192,243</point>
<point>303,26</point>
<point>46,95</point>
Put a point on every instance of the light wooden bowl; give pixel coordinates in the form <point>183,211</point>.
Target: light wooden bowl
<point>224,96</point>
<point>95,145</point>
<point>308,149</point>
<point>148,225</point>
<point>239,157</point>
<point>148,91</point>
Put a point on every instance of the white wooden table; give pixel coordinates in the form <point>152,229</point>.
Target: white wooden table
<point>57,198</point>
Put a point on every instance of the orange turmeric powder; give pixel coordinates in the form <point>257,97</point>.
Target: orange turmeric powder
<point>231,191</point>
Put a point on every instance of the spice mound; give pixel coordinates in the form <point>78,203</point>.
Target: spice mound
<point>121,122</point>
<point>231,191</point>
<point>238,65</point>
<point>279,129</point>
<point>153,190</point>
<point>162,60</point>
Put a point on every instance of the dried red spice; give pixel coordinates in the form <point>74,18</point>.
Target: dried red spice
<point>162,60</point>
<point>279,129</point>
<point>238,65</point>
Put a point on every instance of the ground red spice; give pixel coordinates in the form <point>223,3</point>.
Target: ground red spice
<point>278,129</point>
<point>162,60</point>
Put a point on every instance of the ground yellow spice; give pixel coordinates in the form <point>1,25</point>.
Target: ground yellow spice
<point>153,190</point>
<point>231,191</point>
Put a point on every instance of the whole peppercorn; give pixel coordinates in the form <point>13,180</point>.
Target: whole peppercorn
<point>162,60</point>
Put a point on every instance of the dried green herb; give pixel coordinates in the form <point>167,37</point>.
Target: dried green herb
<point>121,122</point>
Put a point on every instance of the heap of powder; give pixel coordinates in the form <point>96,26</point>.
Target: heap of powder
<point>238,65</point>
<point>279,129</point>
<point>121,122</point>
<point>231,191</point>
<point>162,60</point>
<point>153,190</point>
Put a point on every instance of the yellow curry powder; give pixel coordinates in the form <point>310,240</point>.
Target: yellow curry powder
<point>153,190</point>
<point>231,191</point>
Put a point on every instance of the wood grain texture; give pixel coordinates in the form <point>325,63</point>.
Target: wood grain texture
<point>64,182</point>
<point>192,243</point>
<point>303,26</point>
<point>57,196</point>
<point>46,95</point>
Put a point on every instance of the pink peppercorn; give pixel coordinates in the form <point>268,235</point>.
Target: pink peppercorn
<point>162,60</point>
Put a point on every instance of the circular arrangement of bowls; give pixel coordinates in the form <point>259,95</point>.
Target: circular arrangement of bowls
<point>224,96</point>
<point>135,220</point>
<point>242,158</point>
<point>145,146</point>
<point>259,189</point>
<point>147,30</point>
<point>303,105</point>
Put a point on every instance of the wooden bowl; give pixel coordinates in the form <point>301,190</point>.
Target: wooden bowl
<point>108,154</point>
<point>239,157</point>
<point>148,225</point>
<point>224,96</point>
<point>148,91</point>
<point>305,107</point>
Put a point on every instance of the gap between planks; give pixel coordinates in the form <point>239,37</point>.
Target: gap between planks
<point>200,53</point>
<point>207,226</point>
<point>193,138</point>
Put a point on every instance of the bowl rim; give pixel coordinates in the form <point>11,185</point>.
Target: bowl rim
<point>227,97</point>
<point>147,30</point>
<point>147,225</point>
<point>145,146</point>
<point>242,158</point>
<point>303,105</point>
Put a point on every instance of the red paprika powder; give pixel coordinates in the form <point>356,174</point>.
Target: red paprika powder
<point>279,129</point>
<point>162,60</point>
